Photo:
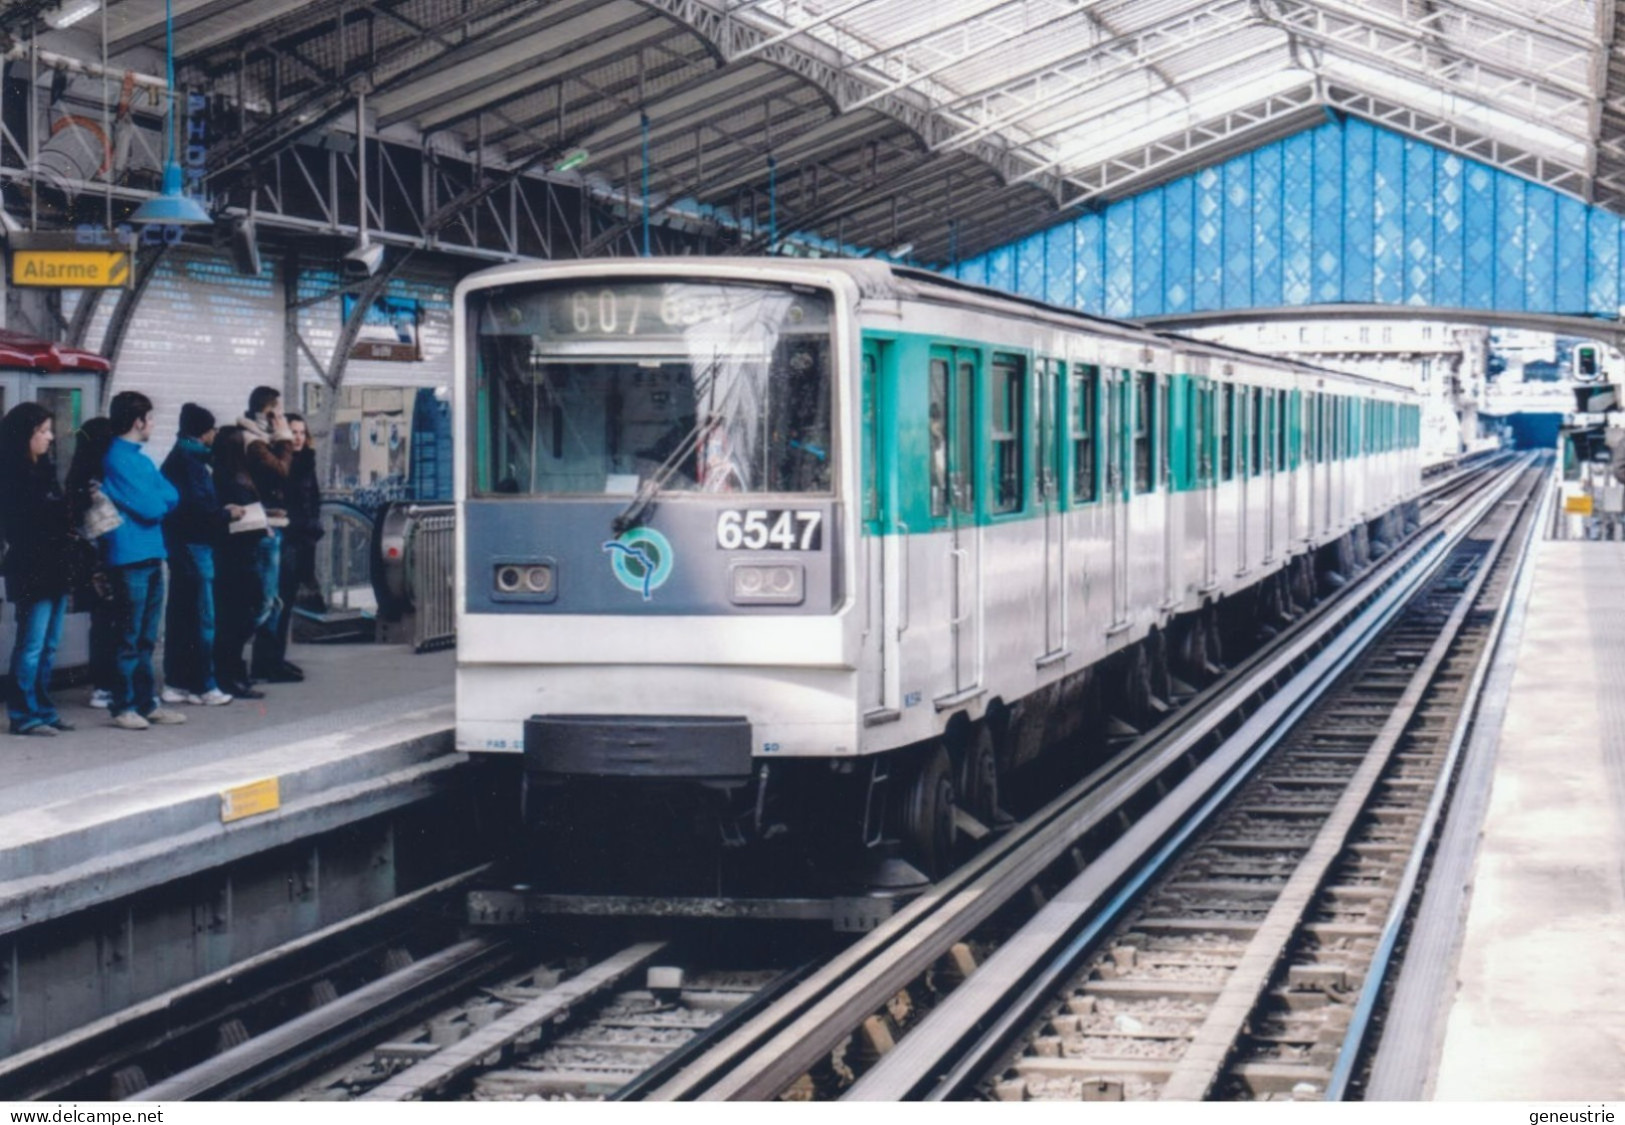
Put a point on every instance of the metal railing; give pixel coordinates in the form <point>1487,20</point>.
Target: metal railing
<point>432,563</point>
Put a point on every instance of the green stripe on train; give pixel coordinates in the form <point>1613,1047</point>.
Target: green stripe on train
<point>966,432</point>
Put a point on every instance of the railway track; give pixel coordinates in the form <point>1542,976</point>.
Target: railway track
<point>824,1036</point>
<point>494,1019</point>
<point>1243,958</point>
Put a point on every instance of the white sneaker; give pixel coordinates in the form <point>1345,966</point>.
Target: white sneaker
<point>214,697</point>
<point>176,695</point>
<point>101,698</point>
<point>129,720</point>
<point>165,718</point>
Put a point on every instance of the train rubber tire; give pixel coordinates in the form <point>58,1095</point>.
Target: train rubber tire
<point>979,778</point>
<point>927,821</point>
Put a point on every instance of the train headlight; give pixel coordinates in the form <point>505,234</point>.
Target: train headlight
<point>781,583</point>
<point>524,580</point>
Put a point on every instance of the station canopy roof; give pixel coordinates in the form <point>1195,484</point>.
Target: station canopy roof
<point>935,127</point>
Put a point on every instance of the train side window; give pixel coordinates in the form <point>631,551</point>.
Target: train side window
<point>1201,457</point>
<point>1226,427</point>
<point>1280,429</point>
<point>1009,433</point>
<point>962,469</point>
<point>1145,428</point>
<point>1257,443</point>
<point>871,441</point>
<point>1165,434</point>
<point>939,437</point>
<point>1084,415</point>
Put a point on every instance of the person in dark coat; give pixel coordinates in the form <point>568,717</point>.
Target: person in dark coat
<point>190,532</point>
<point>270,459</point>
<point>94,585</point>
<point>237,584</point>
<point>302,496</point>
<point>39,557</point>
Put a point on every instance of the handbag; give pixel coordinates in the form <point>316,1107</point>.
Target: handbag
<point>101,517</point>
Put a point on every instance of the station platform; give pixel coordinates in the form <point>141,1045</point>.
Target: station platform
<point>99,812</point>
<point>1535,1007</point>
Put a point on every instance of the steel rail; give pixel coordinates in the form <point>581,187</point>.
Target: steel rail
<point>46,1070</point>
<point>960,1038</point>
<point>769,1052</point>
<point>1354,1040</point>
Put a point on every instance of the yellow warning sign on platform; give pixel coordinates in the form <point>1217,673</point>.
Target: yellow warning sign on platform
<point>71,269</point>
<point>250,800</point>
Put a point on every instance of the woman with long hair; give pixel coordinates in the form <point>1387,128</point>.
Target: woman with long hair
<point>298,563</point>
<point>39,554</point>
<point>237,590</point>
<point>95,586</point>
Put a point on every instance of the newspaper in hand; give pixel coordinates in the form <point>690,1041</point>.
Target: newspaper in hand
<point>253,519</point>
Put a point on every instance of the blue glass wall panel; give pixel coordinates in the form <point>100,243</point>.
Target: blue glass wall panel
<point>1267,226</point>
<point>1449,230</point>
<point>1478,267</point>
<point>1297,217</point>
<point>1030,266</point>
<point>1238,233</point>
<point>1120,259</point>
<point>1571,256</point>
<point>1359,185</point>
<point>1089,262</point>
<point>1179,227</point>
<point>1343,213</point>
<point>1388,219</point>
<point>1208,261</point>
<point>1602,262</point>
<point>1539,248</point>
<point>1418,208</point>
<point>1329,215</point>
<point>1060,284</point>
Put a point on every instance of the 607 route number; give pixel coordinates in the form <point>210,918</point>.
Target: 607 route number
<point>770,529</point>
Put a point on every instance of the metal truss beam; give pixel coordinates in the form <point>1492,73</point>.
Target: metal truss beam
<point>825,69</point>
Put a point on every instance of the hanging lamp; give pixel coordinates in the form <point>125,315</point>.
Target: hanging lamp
<point>172,206</point>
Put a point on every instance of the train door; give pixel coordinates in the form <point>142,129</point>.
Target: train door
<point>1208,481</point>
<point>879,636</point>
<point>1267,439</point>
<point>1170,407</point>
<point>954,381</point>
<point>1119,485</point>
<point>1243,408</point>
<point>1051,374</point>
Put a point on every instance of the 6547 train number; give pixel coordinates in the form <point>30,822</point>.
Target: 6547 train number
<point>770,529</point>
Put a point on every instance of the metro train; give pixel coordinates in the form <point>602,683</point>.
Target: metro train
<point>815,554</point>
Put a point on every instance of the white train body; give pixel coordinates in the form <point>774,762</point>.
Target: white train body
<point>982,511</point>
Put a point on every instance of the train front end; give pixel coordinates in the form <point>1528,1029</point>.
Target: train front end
<point>655,560</point>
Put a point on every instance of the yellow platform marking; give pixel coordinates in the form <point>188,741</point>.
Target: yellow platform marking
<point>1577,505</point>
<point>250,800</point>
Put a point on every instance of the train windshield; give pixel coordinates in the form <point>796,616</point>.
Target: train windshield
<point>633,387</point>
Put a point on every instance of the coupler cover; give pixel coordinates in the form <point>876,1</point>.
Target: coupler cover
<point>674,747</point>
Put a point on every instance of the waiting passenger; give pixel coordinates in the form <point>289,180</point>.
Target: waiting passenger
<point>94,516</point>
<point>270,458</point>
<point>135,552</point>
<point>238,593</point>
<point>298,563</point>
<point>189,534</point>
<point>39,554</point>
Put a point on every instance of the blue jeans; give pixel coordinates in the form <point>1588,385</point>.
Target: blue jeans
<point>141,598</point>
<point>33,658</point>
<point>267,659</point>
<point>189,619</point>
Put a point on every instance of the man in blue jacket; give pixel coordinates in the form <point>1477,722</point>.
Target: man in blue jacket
<point>189,534</point>
<point>135,556</point>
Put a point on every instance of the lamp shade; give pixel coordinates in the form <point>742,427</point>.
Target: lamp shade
<point>173,207</point>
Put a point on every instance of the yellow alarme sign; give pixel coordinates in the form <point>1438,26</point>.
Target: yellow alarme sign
<point>71,269</point>
<point>250,800</point>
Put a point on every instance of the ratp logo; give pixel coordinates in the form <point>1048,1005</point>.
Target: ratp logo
<point>641,559</point>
